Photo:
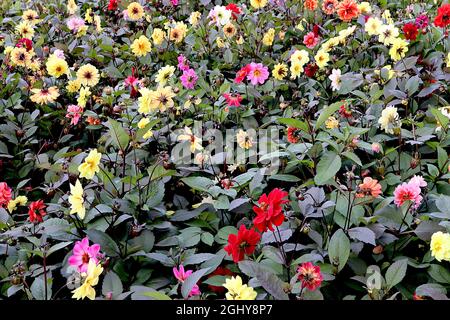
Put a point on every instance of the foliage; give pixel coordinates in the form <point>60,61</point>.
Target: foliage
<point>363,150</point>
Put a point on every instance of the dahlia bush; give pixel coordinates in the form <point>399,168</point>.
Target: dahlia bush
<point>239,150</point>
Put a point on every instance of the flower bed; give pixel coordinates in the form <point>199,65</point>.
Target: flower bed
<point>251,150</point>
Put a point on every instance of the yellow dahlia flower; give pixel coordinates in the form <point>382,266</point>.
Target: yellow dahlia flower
<point>88,75</point>
<point>237,290</point>
<point>76,200</point>
<point>141,46</point>
<point>90,165</point>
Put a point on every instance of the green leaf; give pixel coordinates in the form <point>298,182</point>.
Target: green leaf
<point>439,273</point>
<point>353,157</point>
<point>57,247</point>
<point>155,193</point>
<point>443,120</point>
<point>412,85</point>
<point>198,258</point>
<point>222,203</point>
<point>328,166</point>
<point>156,295</point>
<point>199,183</point>
<point>144,241</point>
<point>268,280</point>
<point>396,272</point>
<point>191,281</point>
<point>113,72</point>
<point>107,244</point>
<point>442,203</point>
<point>119,137</point>
<point>207,238</point>
<point>295,123</point>
<point>222,234</point>
<point>273,254</point>
<point>285,177</point>
<point>38,288</point>
<point>112,284</point>
<point>362,234</point>
<point>217,281</point>
<point>163,258</point>
<point>228,56</point>
<point>339,249</point>
<point>326,113</point>
<point>426,229</point>
<point>272,284</point>
<point>442,158</point>
<point>433,290</point>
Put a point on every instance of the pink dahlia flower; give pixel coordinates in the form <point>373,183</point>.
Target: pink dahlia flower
<point>5,194</point>
<point>83,253</point>
<point>258,73</point>
<point>189,78</point>
<point>75,23</point>
<point>182,275</point>
<point>74,113</point>
<point>410,192</point>
<point>310,40</point>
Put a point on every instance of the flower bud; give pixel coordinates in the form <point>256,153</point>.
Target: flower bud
<point>376,147</point>
<point>378,249</point>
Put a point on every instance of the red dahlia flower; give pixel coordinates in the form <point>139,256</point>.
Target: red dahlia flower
<point>270,211</point>
<point>310,40</point>
<point>235,10</point>
<point>113,5</point>
<point>36,211</point>
<point>25,43</point>
<point>244,243</point>
<point>443,16</point>
<point>293,135</point>
<point>233,100</point>
<point>242,74</point>
<point>309,275</point>
<point>316,30</point>
<point>5,194</point>
<point>311,4</point>
<point>347,10</point>
<point>311,69</point>
<point>345,111</point>
<point>226,183</point>
<point>134,83</point>
<point>410,31</point>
